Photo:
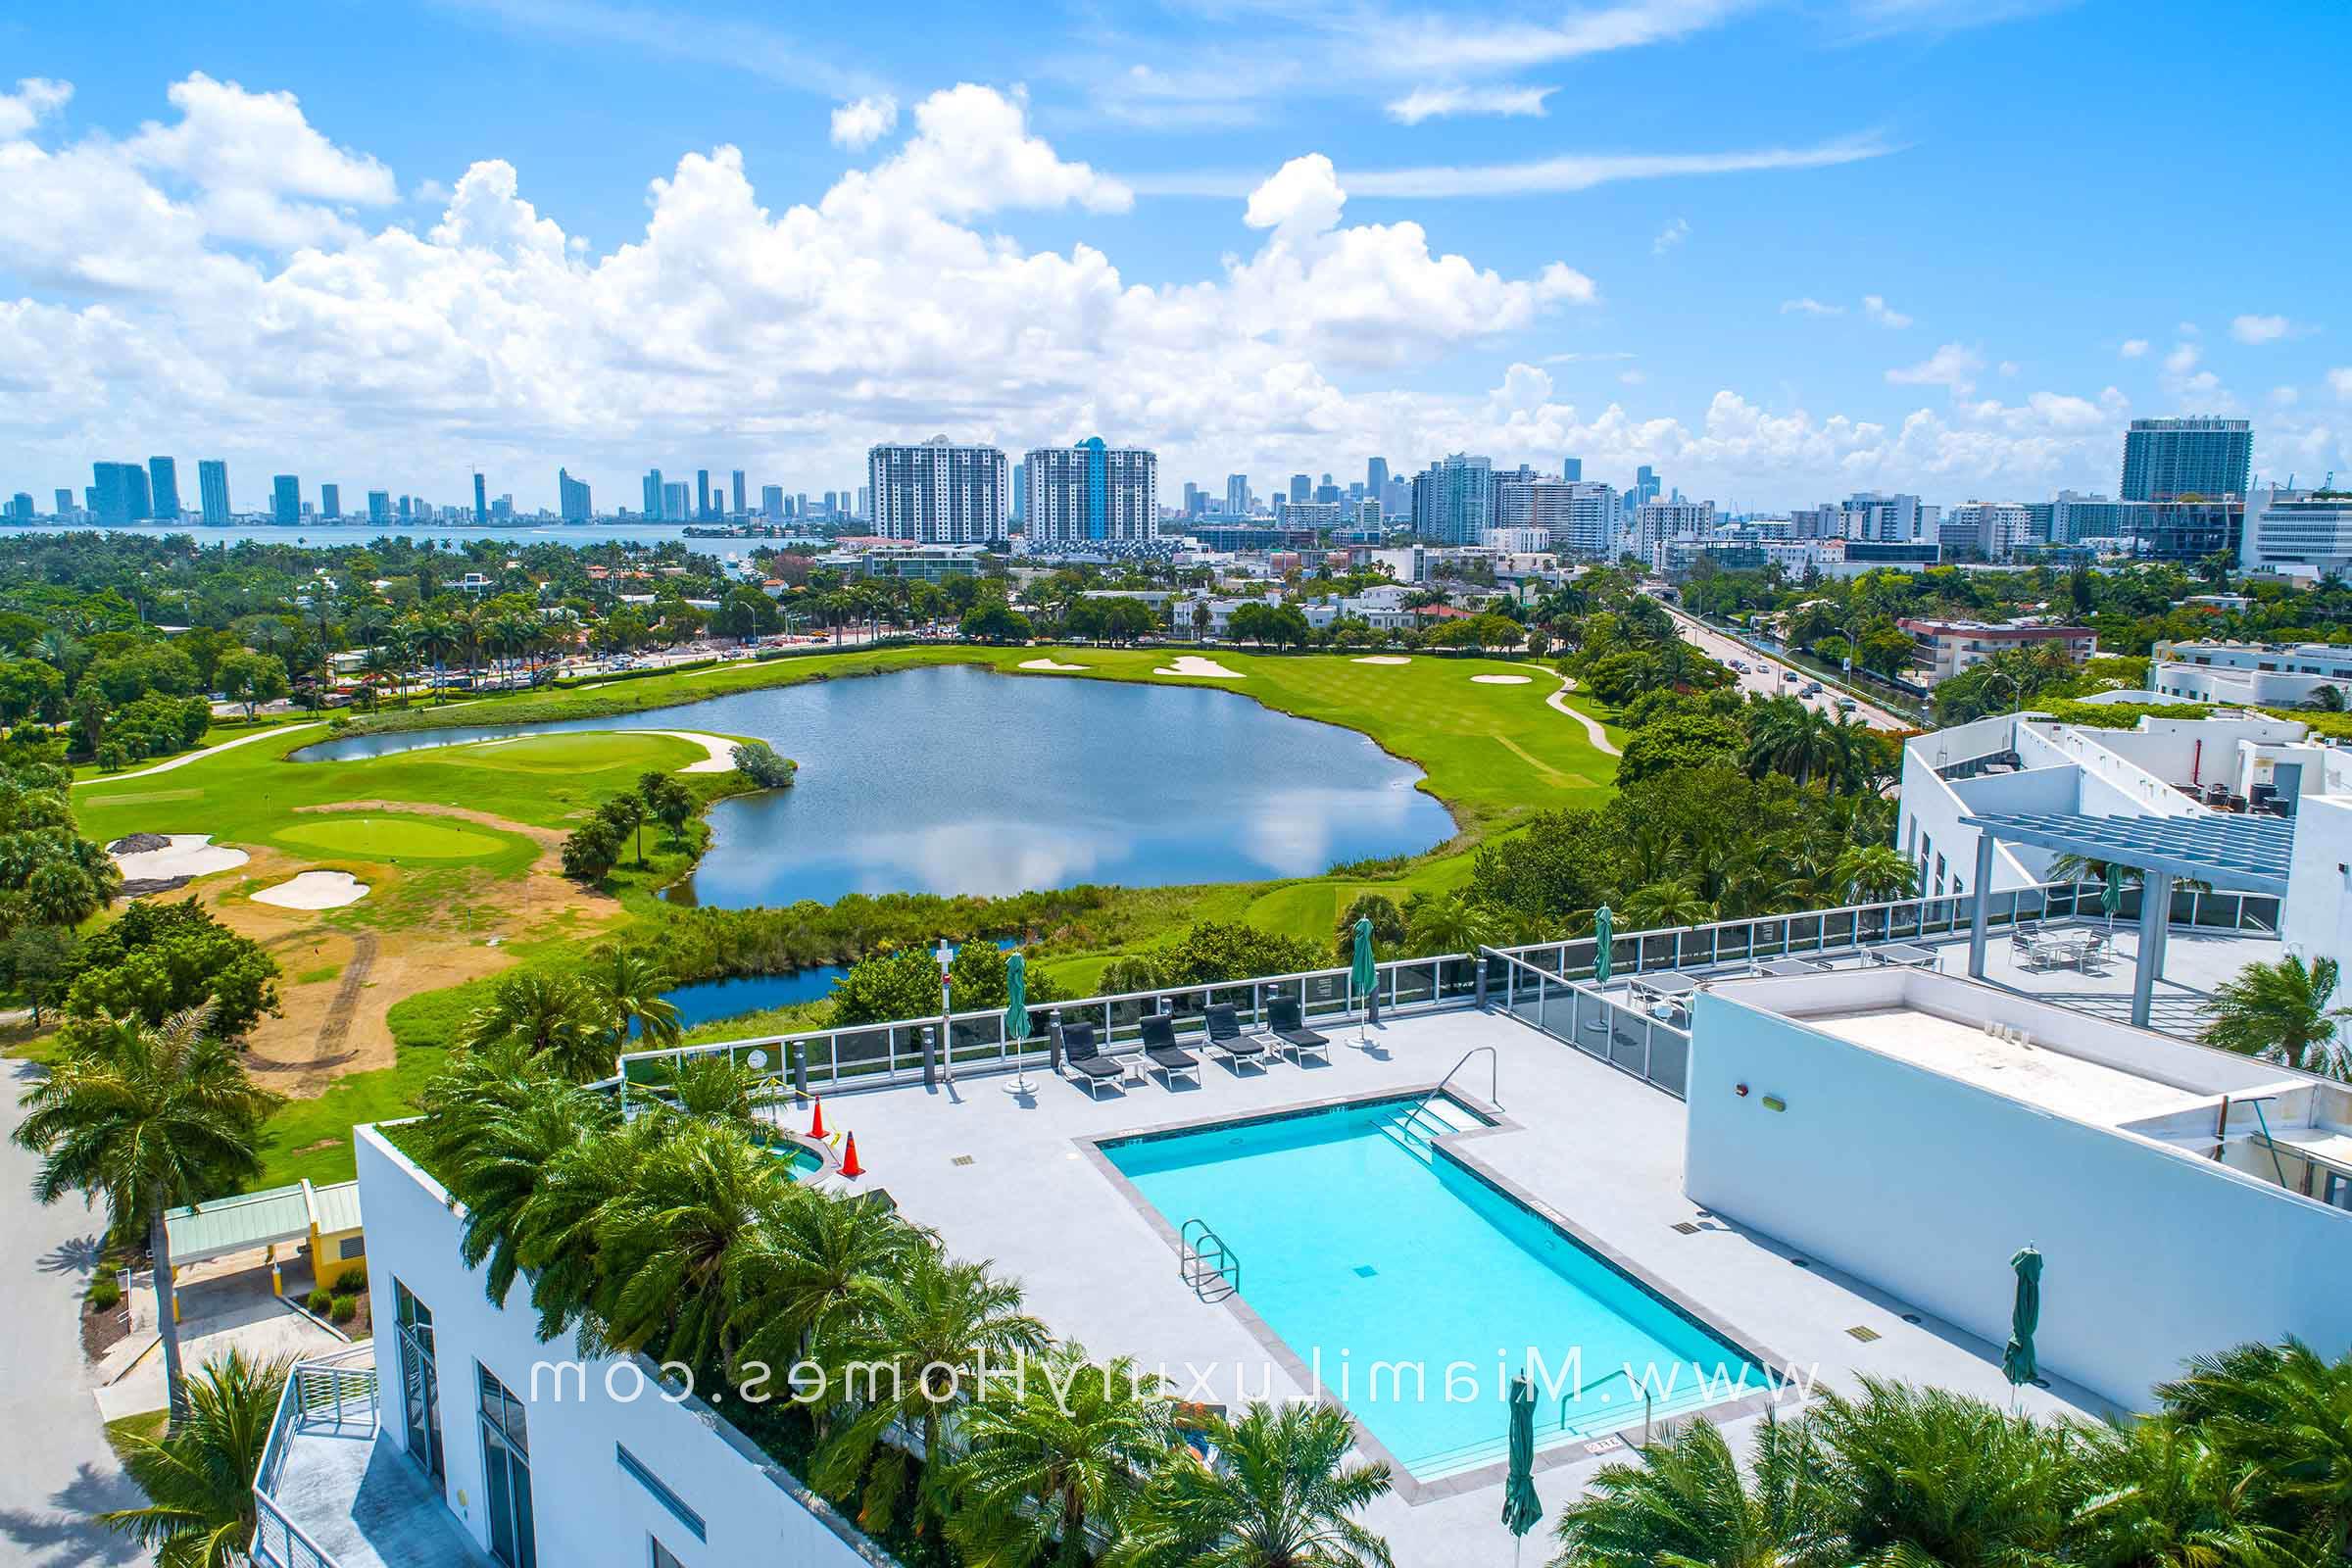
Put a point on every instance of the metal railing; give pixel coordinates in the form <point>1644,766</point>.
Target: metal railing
<point>325,1393</point>
<point>1574,1012</point>
<point>1206,1263</point>
<point>1493,1075</point>
<point>883,1055</point>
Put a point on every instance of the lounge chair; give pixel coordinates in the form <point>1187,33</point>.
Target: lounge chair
<point>1225,1035</point>
<point>1078,1050</point>
<point>1287,1024</point>
<point>1161,1050</point>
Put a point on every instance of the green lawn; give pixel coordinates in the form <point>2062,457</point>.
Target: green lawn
<point>390,838</point>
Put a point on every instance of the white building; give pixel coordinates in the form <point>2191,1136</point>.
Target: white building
<point>1518,540</point>
<point>1090,493</point>
<point>939,493</point>
<point>2299,533</point>
<point>2254,675</point>
<point>1656,522</point>
<point>1890,518</point>
<point>1993,529</point>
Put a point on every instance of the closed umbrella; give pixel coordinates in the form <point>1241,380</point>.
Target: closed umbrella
<point>2017,1357</point>
<point>2111,897</point>
<point>1522,1510</point>
<point>1017,1015</point>
<point>1362,977</point>
<point>1604,932</point>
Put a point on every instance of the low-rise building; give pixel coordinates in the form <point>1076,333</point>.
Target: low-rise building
<point>2299,533</point>
<point>1948,646</point>
<point>2255,674</point>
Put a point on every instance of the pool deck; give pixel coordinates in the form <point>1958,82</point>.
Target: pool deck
<point>1014,1179</point>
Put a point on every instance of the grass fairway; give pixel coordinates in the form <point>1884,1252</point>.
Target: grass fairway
<point>390,838</point>
<point>565,753</point>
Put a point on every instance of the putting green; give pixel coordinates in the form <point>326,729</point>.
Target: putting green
<point>570,753</point>
<point>389,838</point>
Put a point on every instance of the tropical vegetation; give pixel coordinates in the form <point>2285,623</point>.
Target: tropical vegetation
<point>198,1474</point>
<point>2284,1012</point>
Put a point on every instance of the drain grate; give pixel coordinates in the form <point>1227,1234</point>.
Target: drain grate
<point>1911,1317</point>
<point>1686,1227</point>
<point>960,1160</point>
<point>1606,1445</point>
<point>1364,1271</point>
<point>1803,1262</point>
<point>1863,1331</point>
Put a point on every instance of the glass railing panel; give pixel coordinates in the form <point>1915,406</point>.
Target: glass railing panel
<point>1416,983</point>
<point>1670,1062</point>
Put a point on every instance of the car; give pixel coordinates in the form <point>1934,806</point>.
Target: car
<point>1787,675</point>
<point>1845,705</point>
<point>1812,688</point>
<point>1739,664</point>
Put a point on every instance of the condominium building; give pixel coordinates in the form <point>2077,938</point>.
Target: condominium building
<point>736,484</point>
<point>1454,500</point>
<point>1992,529</point>
<point>652,494</point>
<point>2166,459</point>
<point>330,501</point>
<point>1090,492</point>
<point>285,500</point>
<point>1658,522</point>
<point>1948,646</point>
<point>380,506</point>
<point>939,492</point>
<point>2303,533</point>
<point>212,491</point>
<point>481,498</point>
<point>2252,674</point>
<point>675,499</point>
<point>572,495</point>
<point>771,502</point>
<point>119,493</point>
<point>65,501</point>
<point>162,489</point>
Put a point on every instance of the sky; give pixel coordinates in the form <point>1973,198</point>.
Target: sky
<point>1781,252</point>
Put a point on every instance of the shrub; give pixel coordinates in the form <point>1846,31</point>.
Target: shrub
<point>346,1308</point>
<point>351,1282</point>
<point>106,1291</point>
<point>758,761</point>
<point>591,851</point>
<point>321,1300</point>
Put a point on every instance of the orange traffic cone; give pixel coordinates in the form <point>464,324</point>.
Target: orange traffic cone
<point>848,1159</point>
<point>817,1120</point>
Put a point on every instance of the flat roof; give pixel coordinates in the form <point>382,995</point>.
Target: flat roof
<point>2039,1075</point>
<point>237,1224</point>
<point>2235,854</point>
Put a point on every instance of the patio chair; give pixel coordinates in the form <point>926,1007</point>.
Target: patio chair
<point>1161,1050</point>
<point>1225,1036</point>
<point>1079,1051</point>
<point>1286,1022</point>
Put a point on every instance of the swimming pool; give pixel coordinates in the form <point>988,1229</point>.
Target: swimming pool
<point>1361,1241</point>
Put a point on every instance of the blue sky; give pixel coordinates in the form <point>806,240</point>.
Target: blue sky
<point>1781,251</point>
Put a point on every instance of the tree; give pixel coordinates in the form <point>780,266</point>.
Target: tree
<point>1667,901</point>
<point>591,851</point>
<point>2282,1012</point>
<point>1387,925</point>
<point>1871,873</point>
<point>1687,1503</point>
<point>555,1017</point>
<point>825,1261</point>
<point>2278,1416</point>
<point>993,621</point>
<point>143,1118</point>
<point>157,960</point>
<point>1445,924</point>
<point>49,874</point>
<point>624,815</point>
<point>758,761</point>
<point>198,1476</point>
<point>628,984</point>
<point>670,802</point>
<point>1283,1496</point>
<point>887,985</point>
<point>1055,1460</point>
<point>1928,1476</point>
<point>1678,741</point>
<point>251,678</point>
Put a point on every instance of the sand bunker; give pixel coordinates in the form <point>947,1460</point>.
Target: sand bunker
<point>184,855</point>
<point>1195,665</point>
<point>1501,680</point>
<point>720,752</point>
<point>1381,659</point>
<point>315,890</point>
<point>1048,664</point>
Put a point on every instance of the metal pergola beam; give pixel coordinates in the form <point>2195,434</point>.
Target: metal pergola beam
<point>2229,853</point>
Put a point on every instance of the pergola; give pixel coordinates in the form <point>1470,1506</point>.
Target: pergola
<point>2229,853</point>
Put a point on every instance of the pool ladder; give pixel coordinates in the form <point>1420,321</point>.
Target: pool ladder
<point>1204,1261</point>
<point>1417,1130</point>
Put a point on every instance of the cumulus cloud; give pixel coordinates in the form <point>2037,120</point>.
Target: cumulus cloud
<point>35,99</point>
<point>1431,103</point>
<point>1809,306</point>
<point>1670,236</point>
<point>860,125</point>
<point>2341,380</point>
<point>1954,365</point>
<point>2183,358</point>
<point>263,173</point>
<point>2134,348</point>
<point>1876,308</point>
<point>2263,328</point>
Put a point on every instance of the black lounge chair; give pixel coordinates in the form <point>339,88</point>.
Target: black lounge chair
<point>1287,1024</point>
<point>1225,1035</point>
<point>1078,1050</point>
<point>1160,1050</point>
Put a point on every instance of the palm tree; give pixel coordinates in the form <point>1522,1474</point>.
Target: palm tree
<point>1928,1476</point>
<point>2281,1013</point>
<point>198,1476</point>
<point>1687,1503</point>
<point>905,1362</point>
<point>825,1261</point>
<point>145,1117</point>
<point>629,984</point>
<point>556,1016</point>
<point>1056,1461</point>
<point>1283,1496</point>
<point>714,1088</point>
<point>2164,1497</point>
<point>2279,1415</point>
<point>1668,902</point>
<point>1444,923</point>
<point>1870,873</point>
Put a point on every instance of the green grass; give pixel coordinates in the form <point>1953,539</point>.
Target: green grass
<point>390,838</point>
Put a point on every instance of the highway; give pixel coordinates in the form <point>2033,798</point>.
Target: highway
<point>1765,675</point>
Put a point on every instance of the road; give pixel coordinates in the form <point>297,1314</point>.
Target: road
<point>1766,676</point>
<point>55,1467</point>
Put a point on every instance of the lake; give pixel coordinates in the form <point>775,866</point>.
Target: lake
<point>957,779</point>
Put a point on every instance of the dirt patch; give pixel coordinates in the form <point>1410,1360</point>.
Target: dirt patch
<point>544,837</point>
<point>102,1331</point>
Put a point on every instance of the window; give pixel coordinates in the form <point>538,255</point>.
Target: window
<point>420,1381</point>
<point>662,1493</point>
<point>507,1473</point>
<point>664,1557</point>
<point>350,1247</point>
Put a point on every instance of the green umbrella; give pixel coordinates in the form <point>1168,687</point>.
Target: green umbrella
<point>1522,1510</point>
<point>1362,978</point>
<point>1604,932</point>
<point>2017,1357</point>
<point>1016,1013</point>
<point>2111,897</point>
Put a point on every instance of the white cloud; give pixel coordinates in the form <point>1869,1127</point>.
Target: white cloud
<point>1809,306</point>
<point>1875,307</point>
<point>860,125</point>
<point>2009,367</point>
<point>1632,377</point>
<point>1543,176</point>
<point>2266,329</point>
<point>2134,348</point>
<point>263,173</point>
<point>2341,381</point>
<point>1670,236</point>
<point>2182,360</point>
<point>973,153</point>
<point>2285,397</point>
<point>1952,365</point>
<point>35,99</point>
<point>1430,103</point>
<point>1454,42</point>
<point>431,192</point>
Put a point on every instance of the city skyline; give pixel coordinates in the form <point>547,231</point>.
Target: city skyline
<point>1407,250</point>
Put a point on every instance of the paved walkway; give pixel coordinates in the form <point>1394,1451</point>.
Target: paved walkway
<point>1558,702</point>
<point>55,1467</point>
<point>198,756</point>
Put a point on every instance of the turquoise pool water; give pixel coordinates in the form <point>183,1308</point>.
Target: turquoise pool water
<point>1360,1242</point>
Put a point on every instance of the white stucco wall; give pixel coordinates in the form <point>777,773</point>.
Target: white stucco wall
<point>2316,920</point>
<point>591,1513</point>
<point>1924,1187</point>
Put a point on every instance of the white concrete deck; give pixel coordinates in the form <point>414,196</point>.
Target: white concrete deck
<point>2087,1091</point>
<point>367,1504</point>
<point>1011,1178</point>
